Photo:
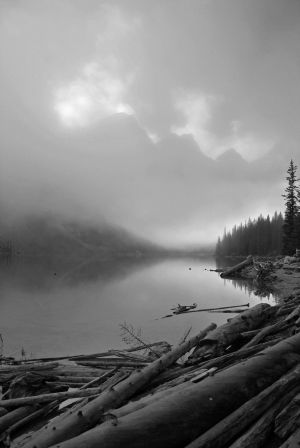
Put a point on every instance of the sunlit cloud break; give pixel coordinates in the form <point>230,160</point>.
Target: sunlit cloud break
<point>94,95</point>
<point>198,109</point>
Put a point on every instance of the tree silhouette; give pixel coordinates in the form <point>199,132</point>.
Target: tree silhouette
<point>291,195</point>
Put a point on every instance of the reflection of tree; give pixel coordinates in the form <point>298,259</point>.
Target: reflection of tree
<point>252,286</point>
<point>47,274</point>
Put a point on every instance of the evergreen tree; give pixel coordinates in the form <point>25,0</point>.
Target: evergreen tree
<point>261,236</point>
<point>289,241</point>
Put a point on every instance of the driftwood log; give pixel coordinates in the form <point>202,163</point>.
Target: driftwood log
<point>261,431</point>
<point>234,269</point>
<point>226,334</point>
<point>293,441</point>
<point>289,418</point>
<point>46,398</point>
<point>235,423</point>
<point>72,424</point>
<point>193,411</point>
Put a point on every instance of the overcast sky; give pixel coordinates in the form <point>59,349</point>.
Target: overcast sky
<point>173,118</point>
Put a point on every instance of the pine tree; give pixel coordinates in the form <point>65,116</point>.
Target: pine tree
<point>289,241</point>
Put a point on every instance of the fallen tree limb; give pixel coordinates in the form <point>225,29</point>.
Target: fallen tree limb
<point>73,424</point>
<point>226,334</point>
<point>194,410</point>
<point>216,308</point>
<point>275,328</point>
<point>238,355</point>
<point>237,267</point>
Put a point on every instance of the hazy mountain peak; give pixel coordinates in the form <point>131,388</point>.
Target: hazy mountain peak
<point>230,156</point>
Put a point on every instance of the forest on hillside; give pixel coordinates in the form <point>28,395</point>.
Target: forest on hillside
<point>261,236</point>
<point>268,235</point>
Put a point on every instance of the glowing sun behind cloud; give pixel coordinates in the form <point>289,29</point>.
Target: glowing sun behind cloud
<point>97,93</point>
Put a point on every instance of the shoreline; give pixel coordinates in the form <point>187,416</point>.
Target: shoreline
<point>228,386</point>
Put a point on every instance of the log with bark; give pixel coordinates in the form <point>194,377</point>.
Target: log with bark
<point>193,411</point>
<point>110,362</point>
<point>235,423</point>
<point>27,367</point>
<point>289,418</point>
<point>275,328</point>
<point>13,416</point>
<point>226,334</point>
<point>72,424</point>
<point>293,441</point>
<point>261,431</point>
<point>238,267</point>
<point>45,398</point>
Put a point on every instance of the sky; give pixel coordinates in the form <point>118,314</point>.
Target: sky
<point>171,118</point>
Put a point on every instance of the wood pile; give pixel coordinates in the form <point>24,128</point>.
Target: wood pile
<point>235,386</point>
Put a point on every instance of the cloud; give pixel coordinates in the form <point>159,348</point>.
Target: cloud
<point>226,73</point>
<point>197,110</point>
<point>97,93</point>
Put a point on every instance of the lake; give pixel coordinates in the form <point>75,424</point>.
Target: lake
<point>78,310</point>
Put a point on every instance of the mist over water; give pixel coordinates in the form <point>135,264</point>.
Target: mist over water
<point>65,313</point>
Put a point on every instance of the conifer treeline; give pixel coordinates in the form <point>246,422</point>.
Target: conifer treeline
<point>265,236</point>
<point>261,236</point>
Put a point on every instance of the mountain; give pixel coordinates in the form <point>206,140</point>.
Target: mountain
<point>52,238</point>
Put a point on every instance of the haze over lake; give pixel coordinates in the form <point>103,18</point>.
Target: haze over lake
<point>62,313</point>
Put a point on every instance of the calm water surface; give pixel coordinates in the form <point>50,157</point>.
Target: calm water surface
<point>78,310</point>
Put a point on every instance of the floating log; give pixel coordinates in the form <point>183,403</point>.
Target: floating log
<point>191,412</point>
<point>235,423</point>
<point>289,418</point>
<point>216,308</point>
<point>228,333</point>
<point>71,424</point>
<point>227,311</point>
<point>258,435</point>
<point>234,269</point>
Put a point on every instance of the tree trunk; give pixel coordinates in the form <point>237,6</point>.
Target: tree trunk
<point>45,398</point>
<point>12,417</point>
<point>73,424</point>
<point>259,433</point>
<point>226,334</point>
<point>238,355</point>
<point>293,441</point>
<point>27,367</point>
<point>177,420</point>
<point>234,269</point>
<point>289,418</point>
<point>110,362</point>
<point>275,328</point>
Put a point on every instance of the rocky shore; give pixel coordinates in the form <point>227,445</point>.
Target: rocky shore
<point>280,276</point>
<point>232,386</point>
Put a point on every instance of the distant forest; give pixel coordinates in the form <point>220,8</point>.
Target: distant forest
<point>261,236</point>
<point>268,236</point>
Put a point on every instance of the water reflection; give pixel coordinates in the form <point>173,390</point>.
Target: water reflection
<point>79,309</point>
